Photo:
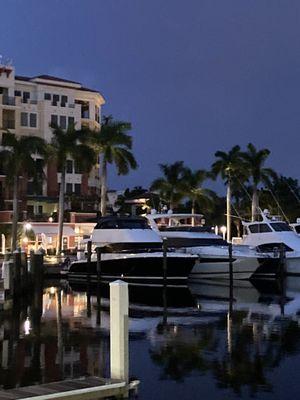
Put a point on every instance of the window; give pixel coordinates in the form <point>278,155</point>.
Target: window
<point>47,96</point>
<point>18,93</point>
<point>26,96</point>
<point>54,119</point>
<point>85,108</point>
<point>69,168</point>
<point>259,228</point>
<point>69,189</point>
<point>40,210</point>
<point>71,121</point>
<point>77,188</point>
<point>297,228</point>
<point>30,211</point>
<point>8,119</point>
<point>97,114</point>
<point>64,100</point>
<point>55,99</point>
<point>33,120</point>
<point>280,227</point>
<point>63,121</point>
<point>77,168</point>
<point>30,189</point>
<point>24,119</point>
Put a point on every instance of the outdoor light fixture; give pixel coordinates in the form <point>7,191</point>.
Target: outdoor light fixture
<point>27,326</point>
<point>28,226</point>
<point>50,219</point>
<point>223,229</point>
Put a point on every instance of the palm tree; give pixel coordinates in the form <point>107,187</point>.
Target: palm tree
<point>254,162</point>
<point>192,182</point>
<point>171,185</point>
<point>230,167</point>
<point>17,156</point>
<point>114,145</point>
<point>65,144</point>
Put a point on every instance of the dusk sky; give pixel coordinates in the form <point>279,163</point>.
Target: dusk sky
<point>192,76</point>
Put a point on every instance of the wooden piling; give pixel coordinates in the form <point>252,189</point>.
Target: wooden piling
<point>119,355</point>
<point>98,317</point>
<point>282,261</point>
<point>230,278</point>
<point>165,260</point>
<point>88,278</point>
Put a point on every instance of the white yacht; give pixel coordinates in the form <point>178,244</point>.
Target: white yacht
<point>132,251</point>
<point>187,233</point>
<point>269,234</point>
<point>296,226</point>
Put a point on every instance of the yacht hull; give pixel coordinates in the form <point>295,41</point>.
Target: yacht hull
<point>218,268</point>
<point>292,266</point>
<point>135,268</point>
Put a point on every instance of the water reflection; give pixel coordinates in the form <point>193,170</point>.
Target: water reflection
<point>187,332</point>
<point>249,339</point>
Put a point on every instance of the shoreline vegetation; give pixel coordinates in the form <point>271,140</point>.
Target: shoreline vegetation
<point>250,184</point>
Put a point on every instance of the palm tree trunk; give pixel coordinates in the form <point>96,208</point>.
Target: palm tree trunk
<point>255,205</point>
<point>15,214</point>
<point>228,211</point>
<point>193,212</point>
<point>61,210</point>
<point>103,187</point>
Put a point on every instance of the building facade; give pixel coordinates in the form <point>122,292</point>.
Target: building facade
<point>28,105</point>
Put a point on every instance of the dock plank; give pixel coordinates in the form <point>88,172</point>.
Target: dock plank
<point>82,388</point>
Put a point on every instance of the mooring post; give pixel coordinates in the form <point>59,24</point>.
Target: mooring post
<point>165,260</point>
<point>119,355</point>
<point>98,318</point>
<point>98,251</point>
<point>282,256</point>
<point>230,278</point>
<point>16,272</point>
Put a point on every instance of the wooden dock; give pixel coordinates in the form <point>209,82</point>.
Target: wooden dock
<point>87,388</point>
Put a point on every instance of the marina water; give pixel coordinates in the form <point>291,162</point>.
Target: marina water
<point>185,343</point>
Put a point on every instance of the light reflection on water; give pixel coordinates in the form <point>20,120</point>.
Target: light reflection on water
<point>181,341</point>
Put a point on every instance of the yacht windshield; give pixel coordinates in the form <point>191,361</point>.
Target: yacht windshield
<point>280,227</point>
<point>297,228</point>
<point>123,224</point>
<point>259,228</point>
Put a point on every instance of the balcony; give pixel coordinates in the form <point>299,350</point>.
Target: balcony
<point>8,101</point>
<point>85,114</point>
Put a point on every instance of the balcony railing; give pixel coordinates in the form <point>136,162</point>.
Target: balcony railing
<point>8,101</point>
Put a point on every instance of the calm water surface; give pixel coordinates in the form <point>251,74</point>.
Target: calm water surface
<point>183,343</point>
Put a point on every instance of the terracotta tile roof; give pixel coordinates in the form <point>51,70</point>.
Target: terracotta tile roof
<point>54,79</point>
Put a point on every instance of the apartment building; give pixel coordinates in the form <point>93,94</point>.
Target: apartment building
<point>27,107</point>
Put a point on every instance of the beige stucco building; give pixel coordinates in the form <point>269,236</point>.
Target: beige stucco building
<point>27,107</point>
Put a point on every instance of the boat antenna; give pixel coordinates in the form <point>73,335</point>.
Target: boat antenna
<point>278,205</point>
<point>293,191</point>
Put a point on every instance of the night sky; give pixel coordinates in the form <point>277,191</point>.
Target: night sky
<point>192,76</point>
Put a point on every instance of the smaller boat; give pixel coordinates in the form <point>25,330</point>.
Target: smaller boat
<point>132,251</point>
<point>296,226</point>
<point>188,233</point>
<point>270,235</point>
